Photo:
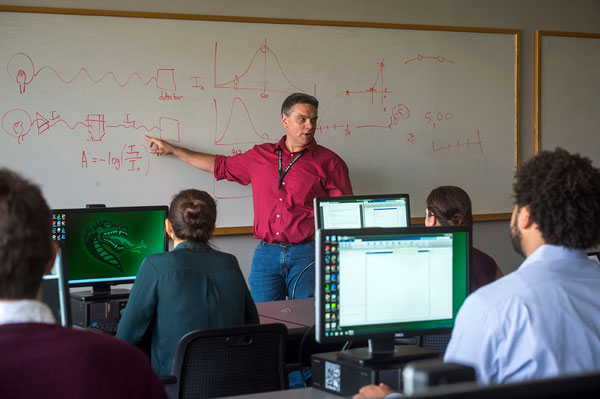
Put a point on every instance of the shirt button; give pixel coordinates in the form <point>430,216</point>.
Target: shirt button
<point>277,215</point>
<point>280,199</point>
<point>282,182</point>
<point>277,233</point>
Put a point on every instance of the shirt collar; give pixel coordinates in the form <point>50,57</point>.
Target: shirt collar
<point>25,311</point>
<point>281,144</point>
<point>188,244</point>
<point>548,252</point>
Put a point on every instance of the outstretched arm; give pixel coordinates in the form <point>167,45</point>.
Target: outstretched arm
<point>205,162</point>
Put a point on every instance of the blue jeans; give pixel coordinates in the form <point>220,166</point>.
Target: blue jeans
<point>275,270</point>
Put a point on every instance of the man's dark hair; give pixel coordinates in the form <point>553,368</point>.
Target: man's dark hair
<point>562,191</point>
<point>450,205</point>
<point>25,237</point>
<point>193,214</point>
<point>297,98</point>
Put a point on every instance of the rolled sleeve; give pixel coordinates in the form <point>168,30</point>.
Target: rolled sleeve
<point>235,168</point>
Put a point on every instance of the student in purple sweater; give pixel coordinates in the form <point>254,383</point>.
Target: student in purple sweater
<point>451,206</point>
<point>41,359</point>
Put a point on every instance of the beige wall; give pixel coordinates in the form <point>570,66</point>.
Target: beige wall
<point>524,15</point>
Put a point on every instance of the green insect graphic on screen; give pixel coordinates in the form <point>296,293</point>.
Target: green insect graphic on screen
<point>105,236</point>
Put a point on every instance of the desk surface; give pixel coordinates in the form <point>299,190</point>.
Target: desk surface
<point>293,328</point>
<point>296,311</point>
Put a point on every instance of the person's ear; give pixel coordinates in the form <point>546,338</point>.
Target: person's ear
<point>50,264</point>
<point>431,220</point>
<point>284,120</point>
<point>524,219</point>
<point>428,218</point>
<point>169,228</point>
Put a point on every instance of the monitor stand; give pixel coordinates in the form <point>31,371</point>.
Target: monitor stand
<point>99,292</point>
<point>382,352</point>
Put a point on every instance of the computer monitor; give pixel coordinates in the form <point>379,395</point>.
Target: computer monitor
<point>106,246</point>
<point>55,291</point>
<point>378,284</point>
<point>358,211</point>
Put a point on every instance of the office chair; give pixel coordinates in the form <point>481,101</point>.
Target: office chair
<point>298,279</point>
<point>229,361</point>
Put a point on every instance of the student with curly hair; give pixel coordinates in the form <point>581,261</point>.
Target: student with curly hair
<point>190,288</point>
<point>541,320</point>
<point>451,206</point>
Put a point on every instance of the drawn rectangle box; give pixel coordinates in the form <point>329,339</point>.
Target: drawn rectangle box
<point>165,79</point>
<point>169,129</point>
<point>96,126</point>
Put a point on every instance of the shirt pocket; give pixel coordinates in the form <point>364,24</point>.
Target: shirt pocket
<point>302,188</point>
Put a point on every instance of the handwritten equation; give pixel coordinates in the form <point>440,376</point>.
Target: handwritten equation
<point>132,158</point>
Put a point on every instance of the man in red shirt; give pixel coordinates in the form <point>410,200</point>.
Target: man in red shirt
<point>285,178</point>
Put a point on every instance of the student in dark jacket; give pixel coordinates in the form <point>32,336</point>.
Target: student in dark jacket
<point>451,206</point>
<point>189,288</point>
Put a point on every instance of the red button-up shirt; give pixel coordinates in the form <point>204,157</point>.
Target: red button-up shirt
<point>286,215</point>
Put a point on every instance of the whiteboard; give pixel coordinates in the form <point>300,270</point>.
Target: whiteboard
<point>568,93</point>
<point>407,108</point>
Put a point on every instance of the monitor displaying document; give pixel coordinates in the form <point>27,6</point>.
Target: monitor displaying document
<point>358,211</point>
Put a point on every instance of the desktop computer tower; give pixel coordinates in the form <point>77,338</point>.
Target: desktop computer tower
<point>343,376</point>
<point>92,310</point>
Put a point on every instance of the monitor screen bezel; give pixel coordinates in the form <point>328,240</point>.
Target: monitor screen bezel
<point>92,210</point>
<point>60,275</point>
<point>395,330</point>
<point>351,198</point>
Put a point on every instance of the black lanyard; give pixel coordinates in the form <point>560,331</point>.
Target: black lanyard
<point>282,171</point>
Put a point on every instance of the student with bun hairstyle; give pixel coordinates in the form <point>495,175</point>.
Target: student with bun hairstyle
<point>451,206</point>
<point>191,287</point>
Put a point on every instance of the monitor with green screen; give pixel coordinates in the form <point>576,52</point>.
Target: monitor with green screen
<point>106,246</point>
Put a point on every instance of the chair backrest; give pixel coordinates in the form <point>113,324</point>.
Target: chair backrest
<point>230,361</point>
